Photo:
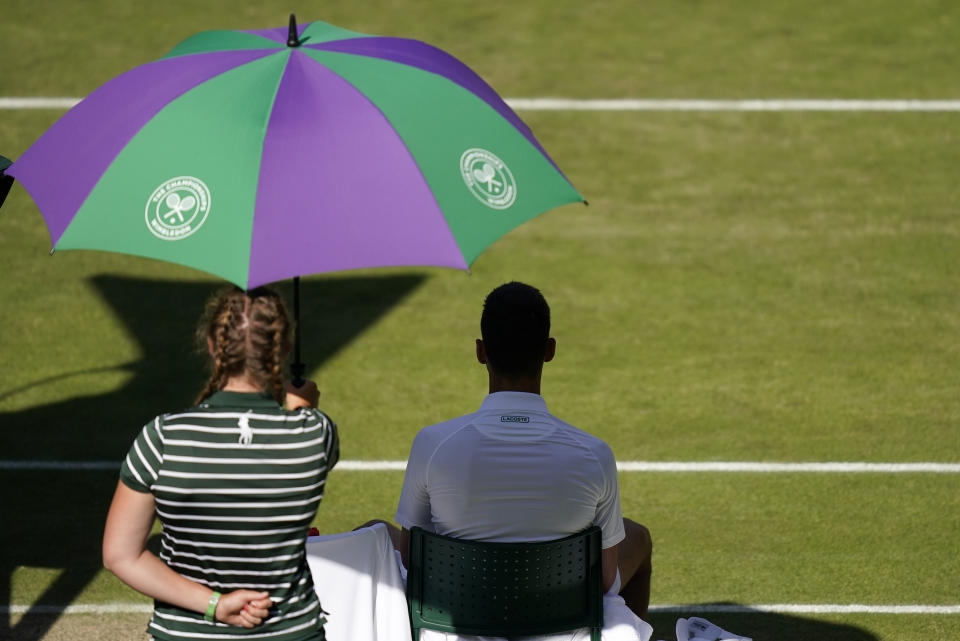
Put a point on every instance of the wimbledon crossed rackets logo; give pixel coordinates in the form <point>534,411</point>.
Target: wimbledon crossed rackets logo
<point>488,178</point>
<point>177,208</point>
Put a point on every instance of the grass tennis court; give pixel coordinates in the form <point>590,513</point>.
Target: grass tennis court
<point>777,286</point>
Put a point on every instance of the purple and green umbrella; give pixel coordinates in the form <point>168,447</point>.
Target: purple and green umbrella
<point>263,155</point>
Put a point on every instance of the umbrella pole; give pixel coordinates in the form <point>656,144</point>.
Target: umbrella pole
<point>297,368</point>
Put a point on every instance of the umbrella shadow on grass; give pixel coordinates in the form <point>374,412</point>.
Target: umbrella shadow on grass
<point>53,518</point>
<point>757,624</point>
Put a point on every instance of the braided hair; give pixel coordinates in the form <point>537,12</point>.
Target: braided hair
<point>250,334</point>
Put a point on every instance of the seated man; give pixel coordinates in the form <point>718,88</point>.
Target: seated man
<point>512,471</point>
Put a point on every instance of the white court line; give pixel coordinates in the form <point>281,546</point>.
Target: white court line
<point>628,104</point>
<point>760,467</point>
<point>811,608</point>
<point>811,467</point>
<point>38,103</point>
<point>567,104</point>
<point>782,608</point>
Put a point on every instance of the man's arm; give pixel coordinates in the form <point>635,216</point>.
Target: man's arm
<point>608,561</point>
<point>634,559</point>
<point>404,547</point>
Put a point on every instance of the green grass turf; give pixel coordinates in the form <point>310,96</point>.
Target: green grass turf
<point>776,286</point>
<point>611,48</point>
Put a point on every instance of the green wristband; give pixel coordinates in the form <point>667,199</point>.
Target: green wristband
<point>212,607</point>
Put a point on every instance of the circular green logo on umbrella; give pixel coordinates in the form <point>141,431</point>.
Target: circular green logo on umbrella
<point>177,208</point>
<point>488,178</point>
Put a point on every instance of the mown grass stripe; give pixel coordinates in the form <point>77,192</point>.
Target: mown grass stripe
<point>760,467</point>
<point>782,608</point>
<point>629,104</point>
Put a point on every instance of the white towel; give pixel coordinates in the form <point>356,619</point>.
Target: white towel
<point>359,585</point>
<point>698,629</point>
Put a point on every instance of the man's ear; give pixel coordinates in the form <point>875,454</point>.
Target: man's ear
<point>481,352</point>
<point>550,351</point>
<point>210,345</point>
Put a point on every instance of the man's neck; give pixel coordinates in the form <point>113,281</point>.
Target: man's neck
<point>530,386</point>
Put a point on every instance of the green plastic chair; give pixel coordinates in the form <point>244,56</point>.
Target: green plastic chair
<point>505,589</point>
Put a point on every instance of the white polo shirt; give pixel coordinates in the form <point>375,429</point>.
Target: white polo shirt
<point>510,472</point>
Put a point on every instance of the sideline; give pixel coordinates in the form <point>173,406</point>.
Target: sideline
<point>782,608</point>
<point>628,104</point>
<point>566,104</point>
<point>808,608</point>
<point>758,467</point>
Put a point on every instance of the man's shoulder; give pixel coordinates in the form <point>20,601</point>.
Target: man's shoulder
<point>579,433</point>
<point>444,428</point>
<point>593,446</point>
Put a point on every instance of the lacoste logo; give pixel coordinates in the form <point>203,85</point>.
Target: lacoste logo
<point>514,419</point>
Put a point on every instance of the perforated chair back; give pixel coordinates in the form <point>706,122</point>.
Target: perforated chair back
<point>505,589</point>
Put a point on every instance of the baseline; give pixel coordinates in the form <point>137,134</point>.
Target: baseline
<point>630,104</point>
<point>782,608</point>
<point>756,467</point>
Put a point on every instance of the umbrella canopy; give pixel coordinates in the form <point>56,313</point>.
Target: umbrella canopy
<point>261,155</point>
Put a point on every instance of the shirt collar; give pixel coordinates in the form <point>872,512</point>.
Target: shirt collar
<point>514,401</point>
<point>250,400</point>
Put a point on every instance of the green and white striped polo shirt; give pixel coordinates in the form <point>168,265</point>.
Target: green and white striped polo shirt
<point>237,481</point>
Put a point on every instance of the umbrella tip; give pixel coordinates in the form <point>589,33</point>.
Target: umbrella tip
<point>292,39</point>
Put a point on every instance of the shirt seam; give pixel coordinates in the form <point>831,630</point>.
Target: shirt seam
<point>436,449</point>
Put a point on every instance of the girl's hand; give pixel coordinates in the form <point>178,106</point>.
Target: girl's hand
<point>307,395</point>
<point>244,608</point>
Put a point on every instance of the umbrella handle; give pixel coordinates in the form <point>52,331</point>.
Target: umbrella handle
<point>297,368</point>
<point>292,39</point>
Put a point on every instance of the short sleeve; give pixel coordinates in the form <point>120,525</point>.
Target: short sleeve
<point>141,468</point>
<point>332,443</point>
<point>413,509</point>
<point>609,515</point>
